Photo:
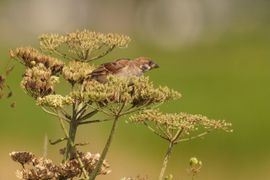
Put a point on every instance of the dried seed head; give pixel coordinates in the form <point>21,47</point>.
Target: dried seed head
<point>138,93</point>
<point>31,57</point>
<point>72,167</point>
<point>45,169</point>
<point>83,45</point>
<point>146,93</point>
<point>187,122</point>
<point>94,40</point>
<point>55,101</point>
<point>76,71</point>
<point>22,157</point>
<point>41,168</point>
<point>90,161</point>
<point>39,81</point>
<point>51,42</point>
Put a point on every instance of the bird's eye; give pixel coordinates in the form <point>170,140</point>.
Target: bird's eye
<point>145,67</point>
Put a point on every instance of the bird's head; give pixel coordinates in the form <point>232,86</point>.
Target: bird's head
<point>145,64</point>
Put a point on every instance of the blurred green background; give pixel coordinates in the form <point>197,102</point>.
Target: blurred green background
<point>215,52</point>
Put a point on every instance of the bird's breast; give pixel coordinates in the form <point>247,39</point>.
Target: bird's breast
<point>130,72</point>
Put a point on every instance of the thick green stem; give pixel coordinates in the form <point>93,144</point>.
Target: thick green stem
<point>73,125</point>
<point>165,161</point>
<point>77,156</point>
<point>105,151</point>
<point>70,148</point>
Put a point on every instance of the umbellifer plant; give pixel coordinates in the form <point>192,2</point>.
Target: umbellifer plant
<point>71,56</point>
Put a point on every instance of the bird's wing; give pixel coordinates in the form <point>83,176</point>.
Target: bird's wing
<point>111,67</point>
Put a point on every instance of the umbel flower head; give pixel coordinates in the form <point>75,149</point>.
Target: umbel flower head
<point>38,81</point>
<point>72,168</point>
<point>137,92</point>
<point>54,101</point>
<point>76,71</point>
<point>184,122</point>
<point>42,168</point>
<point>22,157</point>
<point>83,45</point>
<point>31,57</point>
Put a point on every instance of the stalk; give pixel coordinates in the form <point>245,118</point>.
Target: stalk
<point>70,148</point>
<point>105,150</point>
<point>73,125</point>
<point>165,161</point>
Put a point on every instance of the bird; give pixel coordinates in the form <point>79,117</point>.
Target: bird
<point>123,67</point>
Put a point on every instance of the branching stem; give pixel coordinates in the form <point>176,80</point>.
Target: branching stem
<point>154,131</point>
<point>165,161</point>
<point>172,142</point>
<point>105,150</point>
<point>57,141</point>
<point>72,144</point>
<point>73,125</point>
<point>193,137</point>
<point>94,121</point>
<point>95,172</point>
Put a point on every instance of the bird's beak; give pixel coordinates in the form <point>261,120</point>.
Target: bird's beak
<point>154,65</point>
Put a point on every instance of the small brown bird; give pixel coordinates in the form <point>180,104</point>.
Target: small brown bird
<point>124,68</point>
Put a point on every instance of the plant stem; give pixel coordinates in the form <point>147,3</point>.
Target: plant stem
<point>165,161</point>
<point>73,145</point>
<point>105,151</point>
<point>70,148</point>
<point>73,125</point>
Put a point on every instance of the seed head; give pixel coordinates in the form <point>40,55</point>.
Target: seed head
<point>183,121</point>
<point>55,101</point>
<point>22,157</point>
<point>76,71</point>
<point>38,81</point>
<point>31,57</point>
<point>83,45</point>
<point>138,93</point>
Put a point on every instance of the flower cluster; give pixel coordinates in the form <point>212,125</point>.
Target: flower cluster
<point>138,92</point>
<point>84,45</point>
<point>144,92</point>
<point>180,121</point>
<point>76,71</point>
<point>194,166</point>
<point>72,168</point>
<point>38,81</point>
<point>50,42</point>
<point>54,100</point>
<point>41,168</point>
<point>94,40</point>
<point>22,157</point>
<point>31,57</point>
